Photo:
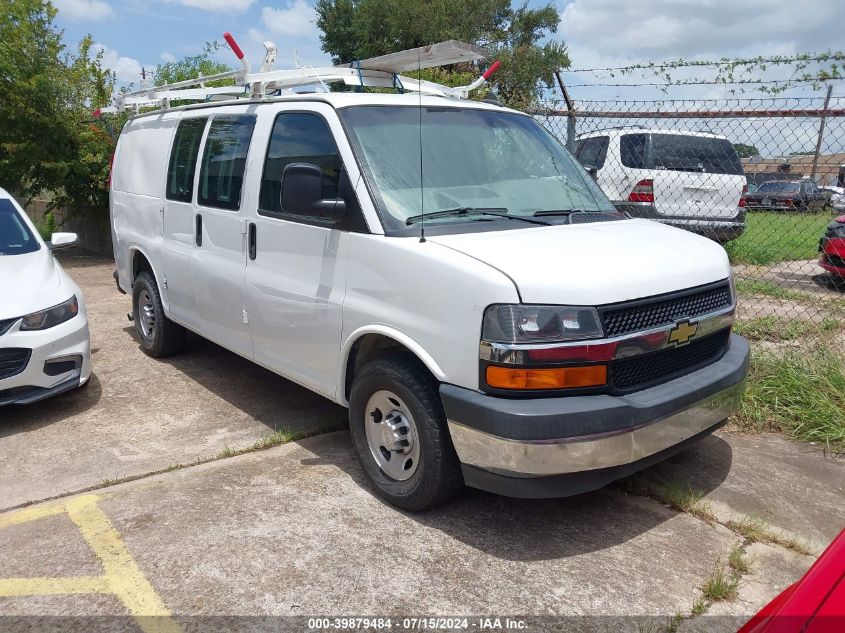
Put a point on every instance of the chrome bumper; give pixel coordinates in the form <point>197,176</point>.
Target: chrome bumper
<point>538,458</point>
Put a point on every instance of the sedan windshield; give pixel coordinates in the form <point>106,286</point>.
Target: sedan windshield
<point>779,187</point>
<point>477,166</point>
<point>15,236</point>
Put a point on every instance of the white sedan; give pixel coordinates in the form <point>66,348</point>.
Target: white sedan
<point>45,348</point>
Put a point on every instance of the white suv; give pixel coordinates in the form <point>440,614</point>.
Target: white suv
<point>692,180</point>
<point>443,268</point>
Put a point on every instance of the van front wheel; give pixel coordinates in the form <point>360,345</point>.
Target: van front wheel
<point>400,434</point>
<point>158,335</point>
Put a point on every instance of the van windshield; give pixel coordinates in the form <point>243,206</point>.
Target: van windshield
<point>15,236</point>
<point>472,159</point>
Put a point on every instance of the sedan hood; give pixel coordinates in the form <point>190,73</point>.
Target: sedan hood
<point>29,283</point>
<point>597,263</point>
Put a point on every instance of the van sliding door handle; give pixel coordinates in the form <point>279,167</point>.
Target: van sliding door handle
<point>198,235</point>
<point>251,241</point>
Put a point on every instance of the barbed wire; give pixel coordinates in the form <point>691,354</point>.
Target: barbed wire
<point>681,63</point>
<point>707,82</point>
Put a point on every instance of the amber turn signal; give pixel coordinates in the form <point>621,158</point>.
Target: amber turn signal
<point>554,378</point>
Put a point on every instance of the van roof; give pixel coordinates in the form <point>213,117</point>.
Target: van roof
<point>344,100</point>
<point>618,131</point>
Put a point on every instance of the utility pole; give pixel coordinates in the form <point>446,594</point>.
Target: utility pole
<point>821,132</point>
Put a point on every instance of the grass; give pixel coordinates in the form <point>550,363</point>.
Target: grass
<point>775,237</point>
<point>677,495</point>
<point>801,393</point>
<point>699,606</point>
<point>756,530</point>
<point>775,329</point>
<point>738,561</point>
<point>720,586</point>
<point>771,289</point>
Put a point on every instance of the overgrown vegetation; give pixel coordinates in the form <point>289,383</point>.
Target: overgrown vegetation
<point>720,586</point>
<point>775,329</point>
<point>738,561</point>
<point>776,237</point>
<point>676,494</point>
<point>801,393</point>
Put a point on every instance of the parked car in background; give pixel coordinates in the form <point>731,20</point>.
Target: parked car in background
<point>692,180</point>
<point>835,197</point>
<point>44,344</point>
<point>832,247</point>
<point>787,195</point>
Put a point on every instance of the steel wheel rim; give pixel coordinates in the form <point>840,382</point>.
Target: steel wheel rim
<point>392,435</point>
<point>146,314</point>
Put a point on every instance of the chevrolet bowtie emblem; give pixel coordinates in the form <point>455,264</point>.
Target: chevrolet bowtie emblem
<point>682,332</point>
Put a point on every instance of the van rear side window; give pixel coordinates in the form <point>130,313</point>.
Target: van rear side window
<point>183,160</point>
<point>224,161</point>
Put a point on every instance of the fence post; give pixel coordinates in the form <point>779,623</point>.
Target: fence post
<point>570,117</point>
<point>821,133</point>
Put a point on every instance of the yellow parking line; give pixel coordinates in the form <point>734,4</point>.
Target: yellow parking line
<point>122,578</point>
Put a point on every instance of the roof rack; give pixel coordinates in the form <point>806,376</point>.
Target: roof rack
<point>375,72</point>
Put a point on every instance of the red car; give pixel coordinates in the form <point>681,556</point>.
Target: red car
<point>832,247</point>
<point>814,604</point>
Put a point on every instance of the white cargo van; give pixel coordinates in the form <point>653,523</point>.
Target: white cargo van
<point>692,180</point>
<point>444,269</point>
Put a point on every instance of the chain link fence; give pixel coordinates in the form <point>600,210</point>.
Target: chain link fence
<point>764,177</point>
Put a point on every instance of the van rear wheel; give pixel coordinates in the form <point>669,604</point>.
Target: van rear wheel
<point>399,430</point>
<point>159,336</point>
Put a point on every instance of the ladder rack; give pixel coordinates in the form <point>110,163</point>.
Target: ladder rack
<point>376,72</point>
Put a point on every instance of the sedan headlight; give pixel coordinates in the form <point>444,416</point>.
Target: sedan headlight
<point>539,324</point>
<point>51,316</point>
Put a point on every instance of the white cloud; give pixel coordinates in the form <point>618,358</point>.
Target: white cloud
<point>216,5</point>
<point>296,20</point>
<point>167,57</point>
<point>84,9</point>
<point>126,69</point>
<point>664,29</point>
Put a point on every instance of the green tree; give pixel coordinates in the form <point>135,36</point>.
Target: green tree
<point>357,29</point>
<point>50,142</point>
<point>193,66</point>
<point>746,151</point>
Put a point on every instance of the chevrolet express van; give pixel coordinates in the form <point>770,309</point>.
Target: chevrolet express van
<point>441,267</point>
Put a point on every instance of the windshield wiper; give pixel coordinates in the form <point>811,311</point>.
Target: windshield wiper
<point>566,212</point>
<point>499,212</point>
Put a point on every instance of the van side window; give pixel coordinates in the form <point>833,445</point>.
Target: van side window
<point>632,150</point>
<point>592,152</point>
<point>298,137</point>
<point>224,161</point>
<point>183,159</point>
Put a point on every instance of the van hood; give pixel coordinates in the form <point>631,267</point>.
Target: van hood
<point>597,263</point>
<point>30,282</point>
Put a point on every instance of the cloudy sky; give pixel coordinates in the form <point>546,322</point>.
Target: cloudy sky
<point>598,33</point>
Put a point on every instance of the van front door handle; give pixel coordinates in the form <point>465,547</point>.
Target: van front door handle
<point>251,241</point>
<point>198,235</point>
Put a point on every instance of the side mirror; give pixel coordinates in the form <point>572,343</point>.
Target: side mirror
<point>62,240</point>
<point>302,193</point>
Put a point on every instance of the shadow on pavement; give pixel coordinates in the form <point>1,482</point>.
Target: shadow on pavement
<point>266,397</point>
<point>543,529</point>
<point>30,417</point>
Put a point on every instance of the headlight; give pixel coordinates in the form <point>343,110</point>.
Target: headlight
<point>539,324</point>
<point>51,316</point>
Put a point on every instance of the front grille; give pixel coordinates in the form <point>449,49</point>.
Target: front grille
<point>6,324</point>
<point>13,361</point>
<point>647,314</point>
<point>639,372</point>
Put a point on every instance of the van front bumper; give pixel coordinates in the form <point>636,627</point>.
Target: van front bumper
<point>560,446</point>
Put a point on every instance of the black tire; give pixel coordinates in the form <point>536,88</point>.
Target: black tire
<point>438,474</point>
<point>164,337</point>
